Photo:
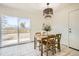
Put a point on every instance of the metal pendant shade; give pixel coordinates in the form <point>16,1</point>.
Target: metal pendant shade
<point>48,12</point>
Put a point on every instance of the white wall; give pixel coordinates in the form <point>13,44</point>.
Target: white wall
<point>61,19</point>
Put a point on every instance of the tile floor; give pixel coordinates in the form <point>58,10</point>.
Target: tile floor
<point>28,50</point>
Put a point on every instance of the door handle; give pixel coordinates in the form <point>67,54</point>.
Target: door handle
<point>70,30</point>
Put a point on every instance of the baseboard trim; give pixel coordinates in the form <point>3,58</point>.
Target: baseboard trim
<point>71,47</point>
<point>74,48</point>
<point>16,44</point>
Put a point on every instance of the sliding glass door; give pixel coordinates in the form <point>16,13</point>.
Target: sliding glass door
<point>14,30</point>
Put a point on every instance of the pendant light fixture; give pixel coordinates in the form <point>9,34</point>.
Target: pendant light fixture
<point>48,12</point>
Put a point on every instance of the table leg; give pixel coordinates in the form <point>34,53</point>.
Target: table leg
<point>35,43</point>
<point>59,48</point>
<point>47,48</point>
<point>41,48</point>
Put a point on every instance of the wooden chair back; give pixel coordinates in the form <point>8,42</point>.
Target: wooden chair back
<point>38,33</point>
<point>58,38</point>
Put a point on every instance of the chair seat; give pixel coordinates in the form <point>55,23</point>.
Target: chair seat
<point>50,42</point>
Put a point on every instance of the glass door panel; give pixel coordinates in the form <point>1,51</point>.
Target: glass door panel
<point>9,30</point>
<point>24,30</point>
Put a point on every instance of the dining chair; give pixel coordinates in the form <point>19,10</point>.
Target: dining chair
<point>49,44</point>
<point>58,38</point>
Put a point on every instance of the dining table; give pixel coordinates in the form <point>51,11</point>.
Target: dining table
<point>40,38</point>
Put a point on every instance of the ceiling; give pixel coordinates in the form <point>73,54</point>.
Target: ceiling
<point>36,7</point>
<point>31,6</point>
